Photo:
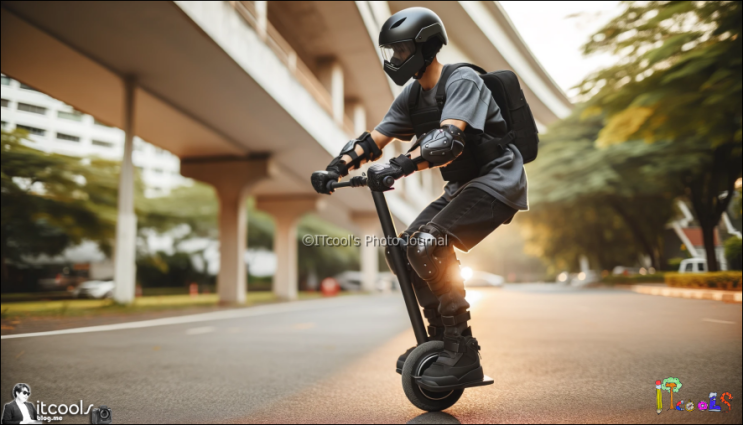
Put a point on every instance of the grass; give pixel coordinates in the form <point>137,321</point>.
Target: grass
<point>76,307</point>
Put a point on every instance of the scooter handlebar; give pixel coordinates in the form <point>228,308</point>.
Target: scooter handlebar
<point>353,182</point>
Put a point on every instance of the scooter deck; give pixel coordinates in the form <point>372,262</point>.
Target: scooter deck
<point>486,380</point>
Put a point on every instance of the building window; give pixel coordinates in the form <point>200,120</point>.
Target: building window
<point>103,144</point>
<point>27,87</point>
<point>5,103</point>
<point>31,108</point>
<point>31,130</point>
<point>74,115</point>
<point>3,124</point>
<point>67,137</point>
<point>6,80</point>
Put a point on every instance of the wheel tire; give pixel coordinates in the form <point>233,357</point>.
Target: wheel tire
<point>418,361</point>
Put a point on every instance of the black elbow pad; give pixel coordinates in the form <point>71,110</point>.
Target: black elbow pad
<point>442,145</point>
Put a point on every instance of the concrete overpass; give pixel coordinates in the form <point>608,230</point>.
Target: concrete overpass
<point>253,97</point>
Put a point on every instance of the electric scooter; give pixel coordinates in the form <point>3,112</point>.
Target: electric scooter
<point>423,396</point>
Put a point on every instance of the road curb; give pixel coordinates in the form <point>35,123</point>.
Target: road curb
<point>699,294</point>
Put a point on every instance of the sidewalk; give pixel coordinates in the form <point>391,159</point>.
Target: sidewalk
<point>700,294</point>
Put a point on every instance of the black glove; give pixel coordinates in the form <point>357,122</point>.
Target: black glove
<point>320,180</point>
<point>377,175</point>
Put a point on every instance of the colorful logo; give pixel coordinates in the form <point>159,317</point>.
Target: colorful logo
<point>673,385</point>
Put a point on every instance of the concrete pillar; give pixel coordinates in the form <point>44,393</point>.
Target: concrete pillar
<point>330,74</point>
<point>286,212</point>
<point>233,179</point>
<point>125,267</point>
<point>370,226</point>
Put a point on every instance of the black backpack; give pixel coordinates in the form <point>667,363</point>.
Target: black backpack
<point>506,90</point>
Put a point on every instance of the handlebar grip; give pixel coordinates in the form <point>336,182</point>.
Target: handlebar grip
<point>353,182</point>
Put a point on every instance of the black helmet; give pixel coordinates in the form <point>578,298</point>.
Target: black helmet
<point>402,41</point>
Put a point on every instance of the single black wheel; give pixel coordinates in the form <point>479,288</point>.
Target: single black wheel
<point>417,362</point>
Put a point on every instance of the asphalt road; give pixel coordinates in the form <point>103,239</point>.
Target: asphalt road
<point>556,354</point>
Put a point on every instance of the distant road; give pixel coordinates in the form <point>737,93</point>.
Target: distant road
<point>556,354</point>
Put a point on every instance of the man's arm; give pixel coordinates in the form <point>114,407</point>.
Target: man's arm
<point>436,148</point>
<point>381,140</point>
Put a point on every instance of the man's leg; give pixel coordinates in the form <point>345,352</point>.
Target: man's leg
<point>463,223</point>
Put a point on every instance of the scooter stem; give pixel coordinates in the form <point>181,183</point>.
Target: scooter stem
<point>398,260</point>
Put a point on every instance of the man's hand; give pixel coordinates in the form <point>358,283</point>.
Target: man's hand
<point>320,180</point>
<point>377,175</point>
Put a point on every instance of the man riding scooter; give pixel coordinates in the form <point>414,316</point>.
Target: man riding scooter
<point>454,121</point>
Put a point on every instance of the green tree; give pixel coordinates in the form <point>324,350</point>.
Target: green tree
<point>622,193</point>
<point>678,80</point>
<point>52,201</point>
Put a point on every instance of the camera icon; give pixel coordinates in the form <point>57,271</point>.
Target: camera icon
<point>101,415</point>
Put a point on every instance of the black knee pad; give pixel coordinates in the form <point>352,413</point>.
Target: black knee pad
<point>430,261</point>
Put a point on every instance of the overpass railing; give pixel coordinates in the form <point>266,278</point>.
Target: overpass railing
<point>287,55</point>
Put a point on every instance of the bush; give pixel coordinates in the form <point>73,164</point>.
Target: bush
<point>715,280</point>
<point>169,270</point>
<point>733,253</point>
<point>630,280</point>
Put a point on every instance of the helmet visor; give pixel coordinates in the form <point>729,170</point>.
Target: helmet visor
<point>397,53</point>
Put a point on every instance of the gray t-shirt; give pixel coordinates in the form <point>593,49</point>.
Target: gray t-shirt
<point>468,100</point>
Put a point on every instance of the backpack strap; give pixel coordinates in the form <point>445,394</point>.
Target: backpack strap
<point>445,74</point>
<point>415,93</point>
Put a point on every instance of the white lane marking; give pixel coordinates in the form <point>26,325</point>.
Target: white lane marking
<point>201,330</point>
<point>724,322</point>
<point>202,317</point>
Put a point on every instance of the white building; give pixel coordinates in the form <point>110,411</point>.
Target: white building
<point>57,127</point>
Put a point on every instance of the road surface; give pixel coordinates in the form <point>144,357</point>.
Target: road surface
<point>557,354</point>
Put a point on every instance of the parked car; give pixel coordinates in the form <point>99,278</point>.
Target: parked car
<point>351,281</point>
<point>693,265</point>
<point>98,289</point>
<point>479,278</point>
<point>625,271</point>
<point>387,281</point>
<point>584,278</point>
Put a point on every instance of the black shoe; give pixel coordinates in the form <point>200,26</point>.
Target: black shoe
<point>458,364</point>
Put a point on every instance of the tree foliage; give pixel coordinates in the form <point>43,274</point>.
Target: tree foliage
<point>609,203</point>
<point>678,81</point>
<point>52,201</point>
<point>679,76</point>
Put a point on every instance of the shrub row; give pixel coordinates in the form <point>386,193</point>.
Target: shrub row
<point>637,278</point>
<point>715,280</point>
